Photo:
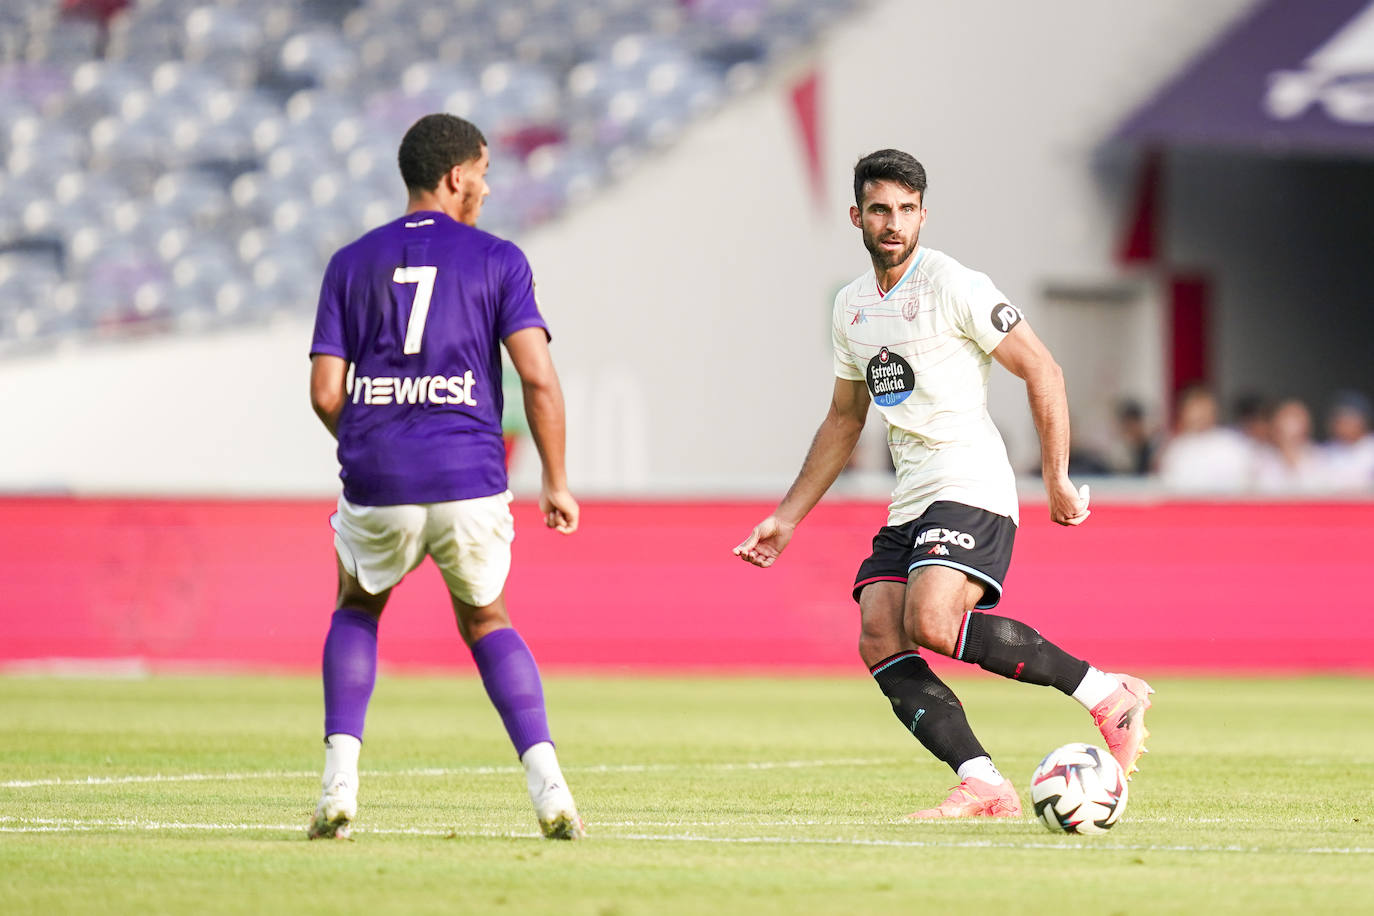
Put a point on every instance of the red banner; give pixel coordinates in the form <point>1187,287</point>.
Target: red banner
<point>654,586</point>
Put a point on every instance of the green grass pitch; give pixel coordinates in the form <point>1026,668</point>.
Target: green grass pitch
<point>710,795</point>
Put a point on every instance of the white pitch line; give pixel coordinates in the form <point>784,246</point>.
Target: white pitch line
<point>53,825</point>
<point>443,771</point>
<point>1089,846</point>
<point>63,823</point>
<point>851,822</point>
<point>154,777</point>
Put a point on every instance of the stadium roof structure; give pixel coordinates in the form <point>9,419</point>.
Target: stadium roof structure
<point>1292,77</point>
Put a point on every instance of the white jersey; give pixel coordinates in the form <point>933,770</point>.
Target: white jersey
<point>924,351</point>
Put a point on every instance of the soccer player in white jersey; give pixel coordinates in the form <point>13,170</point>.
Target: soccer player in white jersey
<point>916,336</point>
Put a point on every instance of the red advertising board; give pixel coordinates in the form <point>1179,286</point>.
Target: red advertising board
<point>647,586</point>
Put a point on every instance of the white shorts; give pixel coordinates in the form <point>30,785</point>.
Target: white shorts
<point>469,540</point>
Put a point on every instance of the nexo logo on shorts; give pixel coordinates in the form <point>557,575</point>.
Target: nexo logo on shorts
<point>890,378</point>
<point>946,536</point>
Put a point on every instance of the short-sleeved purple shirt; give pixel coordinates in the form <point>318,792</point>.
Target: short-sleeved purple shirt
<point>419,307</point>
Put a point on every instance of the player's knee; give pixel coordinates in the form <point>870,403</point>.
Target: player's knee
<point>476,621</point>
<point>931,631</point>
<point>360,600</point>
<point>874,647</point>
<point>881,636</point>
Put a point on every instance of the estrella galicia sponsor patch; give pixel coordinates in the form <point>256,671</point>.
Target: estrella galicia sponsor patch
<point>1005,317</point>
<point>890,378</point>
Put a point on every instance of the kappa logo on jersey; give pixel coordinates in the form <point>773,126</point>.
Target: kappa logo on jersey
<point>890,378</point>
<point>939,550</point>
<point>942,536</point>
<point>1005,317</point>
<point>424,389</point>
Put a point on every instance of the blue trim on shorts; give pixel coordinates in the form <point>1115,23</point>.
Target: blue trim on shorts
<point>981,576</point>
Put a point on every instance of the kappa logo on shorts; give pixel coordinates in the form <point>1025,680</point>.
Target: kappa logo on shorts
<point>939,550</point>
<point>942,536</point>
<point>1005,317</point>
<point>890,378</point>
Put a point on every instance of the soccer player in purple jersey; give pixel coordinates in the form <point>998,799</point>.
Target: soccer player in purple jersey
<point>406,374</point>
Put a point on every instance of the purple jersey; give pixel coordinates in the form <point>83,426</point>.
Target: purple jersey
<point>420,307</point>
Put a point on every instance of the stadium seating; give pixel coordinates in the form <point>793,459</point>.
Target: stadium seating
<point>193,163</point>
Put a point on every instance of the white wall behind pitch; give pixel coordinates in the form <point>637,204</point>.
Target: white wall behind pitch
<point>224,413</point>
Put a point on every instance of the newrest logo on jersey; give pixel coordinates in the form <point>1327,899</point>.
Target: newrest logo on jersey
<point>425,389</point>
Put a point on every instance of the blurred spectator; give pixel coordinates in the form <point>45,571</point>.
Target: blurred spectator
<point>1204,457</point>
<point>1085,462</point>
<point>1136,441</point>
<point>1253,416</point>
<point>1348,455</point>
<point>1291,463</point>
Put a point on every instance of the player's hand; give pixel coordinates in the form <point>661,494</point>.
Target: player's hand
<point>765,542</point>
<point>559,508</point>
<point>1067,506</point>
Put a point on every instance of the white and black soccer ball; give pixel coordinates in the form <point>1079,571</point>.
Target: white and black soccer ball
<point>1078,788</point>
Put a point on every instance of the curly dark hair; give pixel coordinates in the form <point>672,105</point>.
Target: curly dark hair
<point>433,145</point>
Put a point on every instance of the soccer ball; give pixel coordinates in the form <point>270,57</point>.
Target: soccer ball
<point>1078,788</point>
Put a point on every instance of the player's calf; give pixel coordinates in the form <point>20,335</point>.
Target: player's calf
<point>1014,650</point>
<point>927,708</point>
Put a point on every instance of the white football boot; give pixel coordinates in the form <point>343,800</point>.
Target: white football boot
<point>339,796</point>
<point>553,801</point>
<point>337,808</point>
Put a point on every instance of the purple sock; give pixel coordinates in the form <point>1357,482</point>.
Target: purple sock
<point>512,681</point>
<point>350,671</point>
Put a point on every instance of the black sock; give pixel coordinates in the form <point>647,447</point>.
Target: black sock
<point>927,708</point>
<point>1012,649</point>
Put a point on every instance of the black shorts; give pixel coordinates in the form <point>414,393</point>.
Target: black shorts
<point>974,541</point>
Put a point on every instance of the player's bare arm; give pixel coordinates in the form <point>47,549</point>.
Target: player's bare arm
<point>830,450</point>
<point>529,353</point>
<point>1024,355</point>
<point>328,389</point>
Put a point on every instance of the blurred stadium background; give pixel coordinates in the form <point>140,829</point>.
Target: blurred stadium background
<point>1171,191</point>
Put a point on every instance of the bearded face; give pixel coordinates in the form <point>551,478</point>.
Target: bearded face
<point>890,221</point>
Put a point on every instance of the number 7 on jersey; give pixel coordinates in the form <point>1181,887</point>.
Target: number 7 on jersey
<point>423,278</point>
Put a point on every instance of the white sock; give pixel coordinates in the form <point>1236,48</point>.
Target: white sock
<point>981,768</point>
<point>1095,687</point>
<point>541,766</point>
<point>341,756</point>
